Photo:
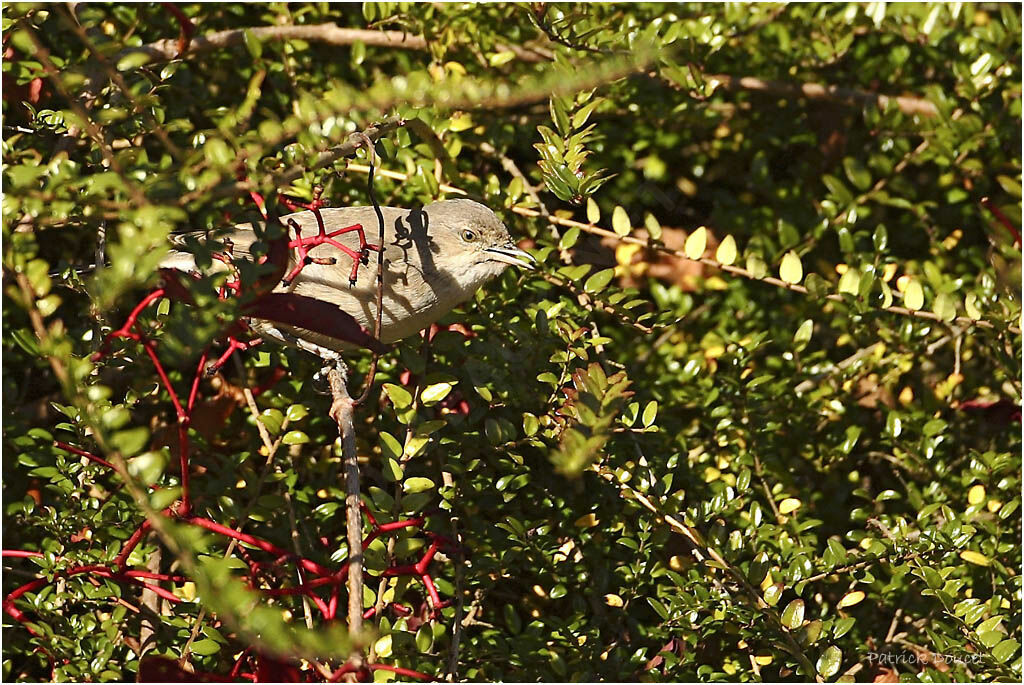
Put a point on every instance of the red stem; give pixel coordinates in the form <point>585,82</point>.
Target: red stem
<point>310,566</point>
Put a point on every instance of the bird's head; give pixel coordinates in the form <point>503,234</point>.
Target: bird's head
<point>472,241</point>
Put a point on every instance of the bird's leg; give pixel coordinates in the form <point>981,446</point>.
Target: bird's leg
<point>304,245</point>
<point>227,257</point>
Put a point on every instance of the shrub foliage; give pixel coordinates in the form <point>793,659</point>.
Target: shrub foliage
<point>756,417</point>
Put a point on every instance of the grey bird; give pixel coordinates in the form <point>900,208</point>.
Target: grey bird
<point>435,258</point>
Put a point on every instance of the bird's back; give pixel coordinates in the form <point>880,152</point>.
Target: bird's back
<point>411,302</point>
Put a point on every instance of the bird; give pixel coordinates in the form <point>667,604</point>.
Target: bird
<point>435,258</point>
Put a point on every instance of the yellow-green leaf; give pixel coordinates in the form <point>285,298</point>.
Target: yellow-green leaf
<point>976,558</point>
<point>726,253</point>
<point>756,266</point>
<point>849,282</point>
<point>945,307</point>
<point>418,484</point>
<point>791,270</point>
<point>851,598</point>
<point>400,397</point>
<point>620,221</point>
<point>432,394</point>
<point>971,305</point>
<point>593,211</point>
<point>695,243</point>
<point>653,226</point>
<point>913,296</point>
<point>789,505</point>
<point>383,646</point>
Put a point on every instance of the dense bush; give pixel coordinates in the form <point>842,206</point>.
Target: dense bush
<point>756,418</point>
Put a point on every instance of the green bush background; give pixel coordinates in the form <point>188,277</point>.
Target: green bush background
<point>752,483</point>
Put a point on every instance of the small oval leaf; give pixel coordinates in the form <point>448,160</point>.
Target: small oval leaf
<point>726,253</point>
<point>695,243</point>
<point>791,270</point>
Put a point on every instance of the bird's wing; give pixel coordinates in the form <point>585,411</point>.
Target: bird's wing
<point>242,237</point>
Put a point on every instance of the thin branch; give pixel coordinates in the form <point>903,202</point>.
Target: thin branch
<point>332,34</point>
<point>816,91</point>
<point>374,132</point>
<point>342,410</point>
<point>329,33</point>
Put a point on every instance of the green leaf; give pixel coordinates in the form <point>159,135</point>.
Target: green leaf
<point>295,438</point>
<point>389,446</point>
<point>1006,650</point>
<point>253,44</point>
<point>569,238</point>
<point>793,614</point>
<point>620,221</point>
<point>399,396</point>
<point>391,470</point>
<point>857,173</point>
<point>830,661</point>
<point>417,484</point>
<point>598,281</point>
<point>773,593</point>
<point>148,467</point>
<point>272,419</point>
<point>650,413</point>
<point>297,412</point>
<point>434,393</point>
<point>130,441</point>
<point>205,647</point>
<point>133,60</point>
<point>803,333</point>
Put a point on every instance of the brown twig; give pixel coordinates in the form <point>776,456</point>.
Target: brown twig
<point>332,34</point>
<point>342,411</point>
<point>329,33</point>
<point>816,91</point>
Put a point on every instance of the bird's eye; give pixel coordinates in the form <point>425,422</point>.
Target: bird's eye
<point>468,235</point>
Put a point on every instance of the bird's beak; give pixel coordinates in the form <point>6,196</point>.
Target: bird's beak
<point>510,254</point>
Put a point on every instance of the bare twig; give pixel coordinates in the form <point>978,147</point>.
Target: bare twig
<point>460,600</point>
<point>342,410</point>
<point>817,91</point>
